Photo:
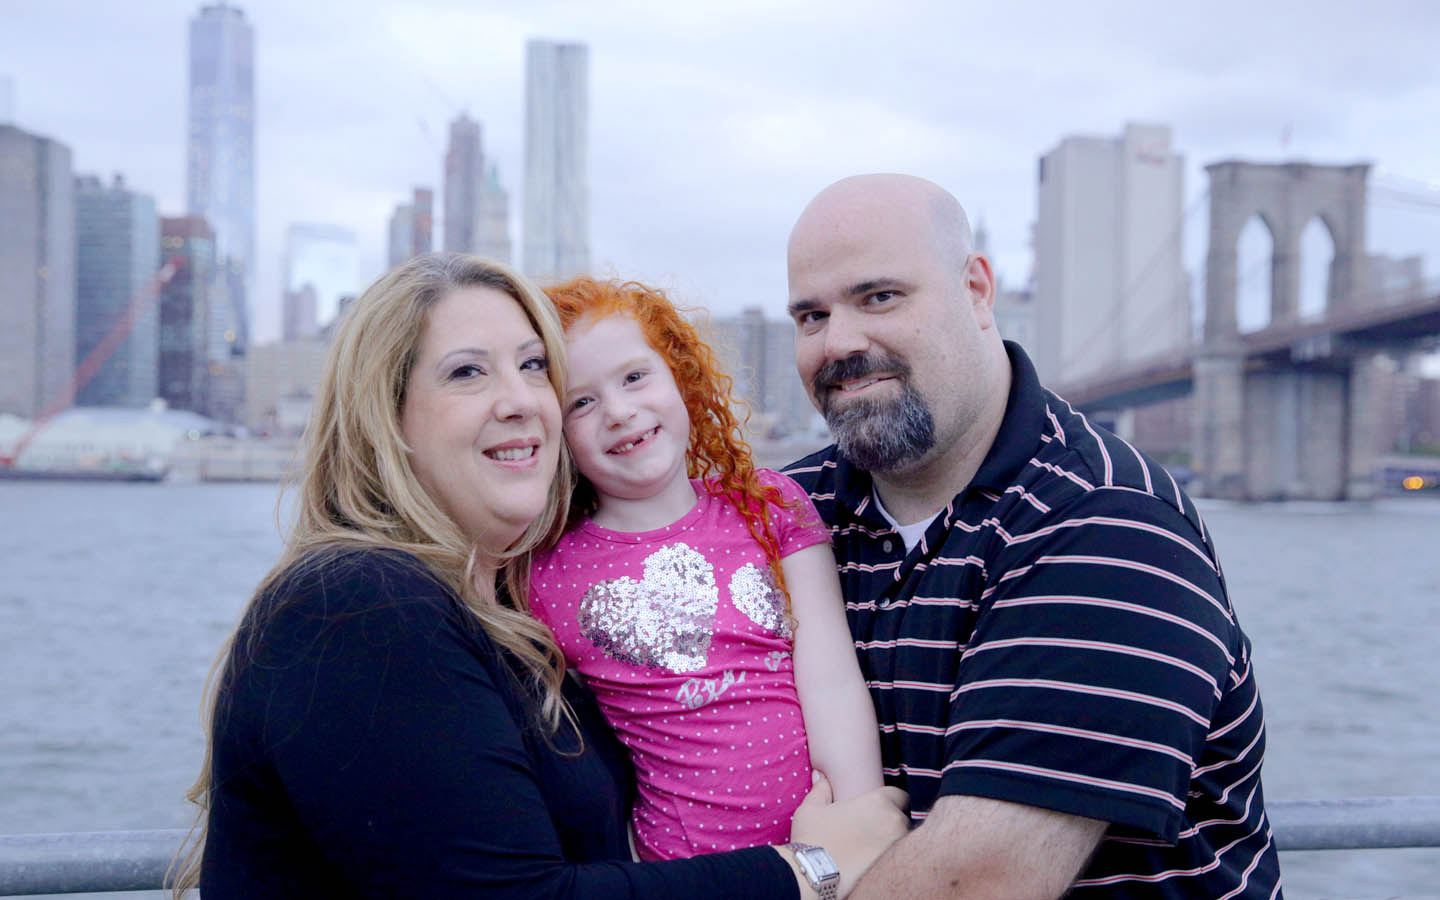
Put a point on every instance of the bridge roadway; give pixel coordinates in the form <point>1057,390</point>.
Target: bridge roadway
<point>1294,344</point>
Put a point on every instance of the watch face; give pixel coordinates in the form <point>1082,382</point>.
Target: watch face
<point>818,865</point>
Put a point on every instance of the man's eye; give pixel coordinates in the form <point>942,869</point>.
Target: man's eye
<point>809,317</point>
<point>882,297</point>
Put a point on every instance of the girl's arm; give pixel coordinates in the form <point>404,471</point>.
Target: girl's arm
<point>839,716</point>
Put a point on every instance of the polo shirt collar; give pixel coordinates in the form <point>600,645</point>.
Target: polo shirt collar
<point>1015,442</point>
<point>1019,435</point>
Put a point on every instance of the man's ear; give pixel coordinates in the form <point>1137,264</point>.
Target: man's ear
<point>979,282</point>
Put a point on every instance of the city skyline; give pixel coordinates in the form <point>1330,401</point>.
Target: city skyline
<point>713,126</point>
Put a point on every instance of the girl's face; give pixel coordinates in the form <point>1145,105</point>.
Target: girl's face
<point>625,421</point>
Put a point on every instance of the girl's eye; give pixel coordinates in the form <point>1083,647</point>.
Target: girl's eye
<point>535,364</point>
<point>579,403</point>
<point>632,377</point>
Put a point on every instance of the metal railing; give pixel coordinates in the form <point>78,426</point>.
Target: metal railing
<point>105,861</point>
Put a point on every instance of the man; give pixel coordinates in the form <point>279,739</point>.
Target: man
<point>1060,680</point>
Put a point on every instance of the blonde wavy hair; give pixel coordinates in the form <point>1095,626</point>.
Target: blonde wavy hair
<point>357,489</point>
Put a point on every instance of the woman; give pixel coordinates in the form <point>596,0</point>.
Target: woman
<point>389,721</point>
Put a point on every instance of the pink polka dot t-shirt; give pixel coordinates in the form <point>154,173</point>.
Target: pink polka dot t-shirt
<point>682,635</point>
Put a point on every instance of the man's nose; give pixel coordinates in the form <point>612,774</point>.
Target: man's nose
<point>845,334</point>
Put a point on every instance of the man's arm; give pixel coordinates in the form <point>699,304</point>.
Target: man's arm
<point>975,847</point>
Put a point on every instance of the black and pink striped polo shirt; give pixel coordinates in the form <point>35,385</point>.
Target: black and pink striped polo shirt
<point>1061,637</point>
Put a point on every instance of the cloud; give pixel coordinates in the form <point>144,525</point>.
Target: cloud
<point>713,123</point>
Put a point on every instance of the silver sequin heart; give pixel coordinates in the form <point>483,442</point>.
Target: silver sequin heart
<point>663,621</point>
<point>754,593</point>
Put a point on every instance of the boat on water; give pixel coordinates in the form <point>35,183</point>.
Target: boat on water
<point>98,443</point>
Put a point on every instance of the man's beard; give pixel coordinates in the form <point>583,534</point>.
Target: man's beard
<point>876,435</point>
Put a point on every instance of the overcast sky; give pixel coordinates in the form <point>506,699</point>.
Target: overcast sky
<point>712,124</point>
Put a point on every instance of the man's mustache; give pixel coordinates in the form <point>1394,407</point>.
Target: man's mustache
<point>853,367</point>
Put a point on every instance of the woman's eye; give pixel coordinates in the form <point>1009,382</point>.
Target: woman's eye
<point>535,364</point>
<point>465,371</point>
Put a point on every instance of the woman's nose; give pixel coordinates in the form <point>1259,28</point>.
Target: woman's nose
<point>519,398</point>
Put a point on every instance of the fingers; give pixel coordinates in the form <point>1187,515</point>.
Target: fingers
<point>820,791</point>
<point>896,797</point>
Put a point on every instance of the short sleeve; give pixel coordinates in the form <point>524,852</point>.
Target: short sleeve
<point>1101,652</point>
<point>797,524</point>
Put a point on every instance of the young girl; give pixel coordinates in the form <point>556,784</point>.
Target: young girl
<point>668,590</point>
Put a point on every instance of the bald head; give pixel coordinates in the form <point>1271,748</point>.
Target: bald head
<point>890,302</point>
<point>896,200</point>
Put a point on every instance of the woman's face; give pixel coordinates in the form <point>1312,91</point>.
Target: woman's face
<point>481,417</point>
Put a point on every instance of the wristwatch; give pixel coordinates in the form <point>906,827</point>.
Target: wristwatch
<point>819,868</point>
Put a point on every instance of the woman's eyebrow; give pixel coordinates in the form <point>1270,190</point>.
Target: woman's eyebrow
<point>464,352</point>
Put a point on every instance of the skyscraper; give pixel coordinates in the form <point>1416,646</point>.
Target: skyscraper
<point>117,248</point>
<point>1110,285</point>
<point>186,244</point>
<point>37,257</point>
<point>402,239</point>
<point>410,227</point>
<point>220,183</point>
<point>464,183</point>
<point>422,222</point>
<point>326,259</point>
<point>494,228</point>
<point>557,190</point>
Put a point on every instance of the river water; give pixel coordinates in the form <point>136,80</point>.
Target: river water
<point>115,597</point>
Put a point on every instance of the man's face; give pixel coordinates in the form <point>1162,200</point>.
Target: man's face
<point>885,332</point>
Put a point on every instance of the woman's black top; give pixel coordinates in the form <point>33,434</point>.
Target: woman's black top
<point>371,741</point>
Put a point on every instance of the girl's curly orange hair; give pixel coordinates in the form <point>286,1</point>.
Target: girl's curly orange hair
<point>717,454</point>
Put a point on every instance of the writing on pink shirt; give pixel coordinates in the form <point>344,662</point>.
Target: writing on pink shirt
<point>697,692</point>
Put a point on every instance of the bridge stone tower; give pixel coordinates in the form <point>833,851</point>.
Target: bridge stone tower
<point>1292,431</point>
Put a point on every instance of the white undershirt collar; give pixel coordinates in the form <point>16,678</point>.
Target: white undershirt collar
<point>910,534</point>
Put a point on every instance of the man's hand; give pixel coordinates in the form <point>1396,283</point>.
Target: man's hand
<point>855,831</point>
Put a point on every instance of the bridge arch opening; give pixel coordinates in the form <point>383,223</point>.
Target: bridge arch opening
<point>1317,262</point>
<point>1254,274</point>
